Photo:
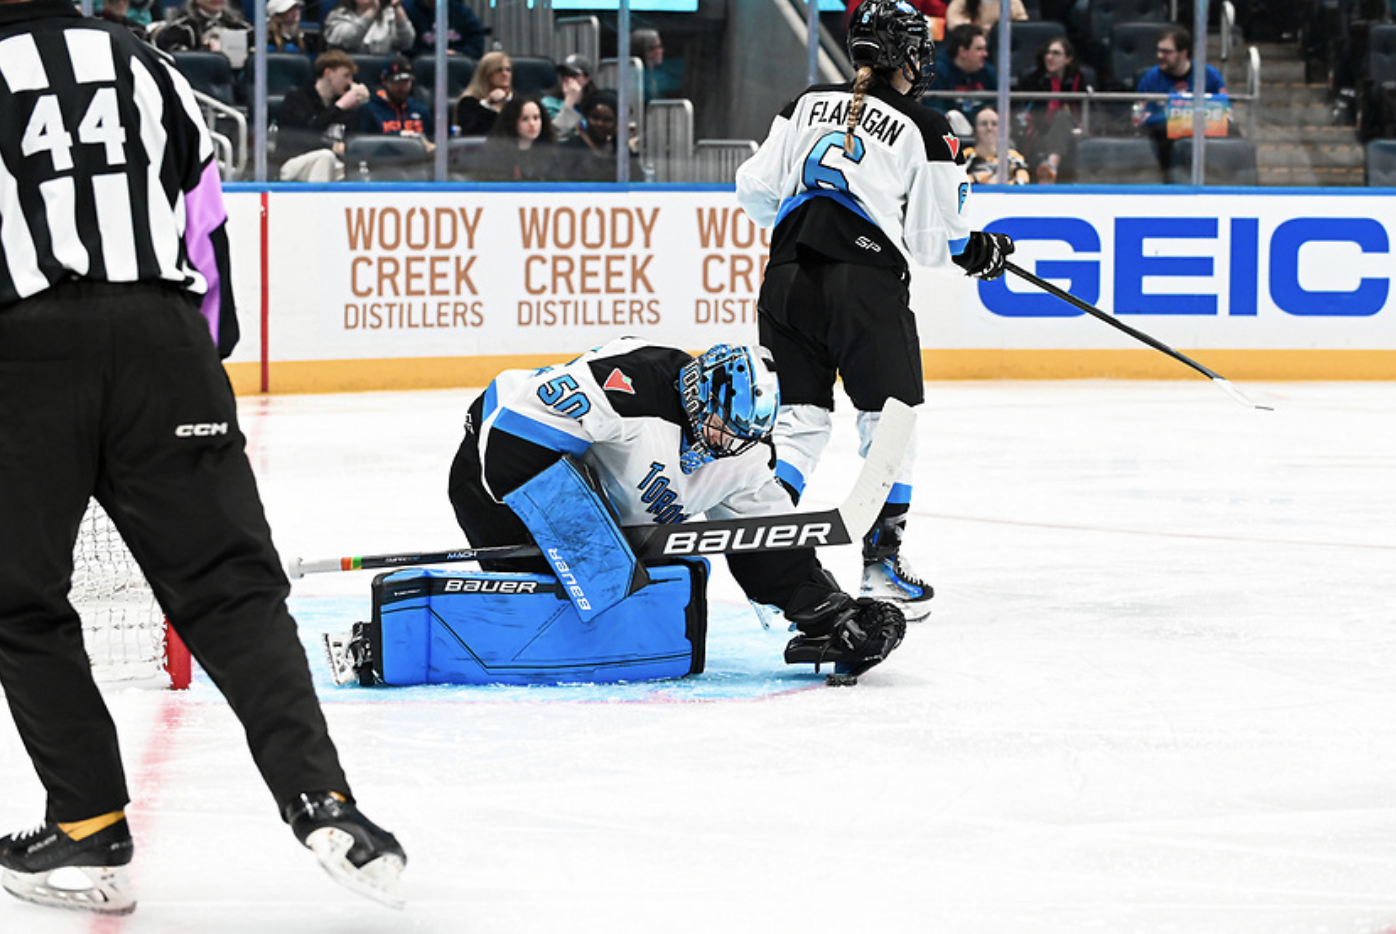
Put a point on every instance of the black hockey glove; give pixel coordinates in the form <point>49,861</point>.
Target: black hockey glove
<point>836,628</point>
<point>985,255</point>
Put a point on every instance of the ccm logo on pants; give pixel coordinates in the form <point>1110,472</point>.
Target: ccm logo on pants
<point>201,430</point>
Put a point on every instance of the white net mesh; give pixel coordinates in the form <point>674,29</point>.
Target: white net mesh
<point>122,625</point>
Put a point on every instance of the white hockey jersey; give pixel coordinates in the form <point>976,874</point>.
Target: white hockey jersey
<point>616,408</point>
<point>904,181</point>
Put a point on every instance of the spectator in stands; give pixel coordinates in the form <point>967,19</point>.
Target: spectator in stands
<point>982,13</point>
<point>393,111</point>
<point>562,102</point>
<point>590,155</point>
<point>662,78</point>
<point>140,11</point>
<point>315,118</point>
<point>982,159</point>
<point>962,64</point>
<point>375,27</point>
<point>284,33</point>
<point>465,34</point>
<point>1050,127</point>
<point>1172,75</point>
<point>489,90</point>
<point>200,27</point>
<point>119,12</point>
<point>522,146</point>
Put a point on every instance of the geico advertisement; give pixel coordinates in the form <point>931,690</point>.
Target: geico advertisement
<point>1232,271</point>
<point>420,274</point>
<point>378,273</point>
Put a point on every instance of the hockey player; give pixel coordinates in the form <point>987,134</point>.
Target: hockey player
<point>634,433</point>
<point>113,278</point>
<point>859,180</point>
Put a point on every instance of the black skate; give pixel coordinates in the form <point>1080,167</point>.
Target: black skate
<point>47,867</point>
<point>356,852</point>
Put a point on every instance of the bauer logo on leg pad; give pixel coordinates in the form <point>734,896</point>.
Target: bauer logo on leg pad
<point>486,585</point>
<point>568,580</point>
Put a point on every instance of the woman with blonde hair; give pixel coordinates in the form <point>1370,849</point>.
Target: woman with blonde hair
<point>983,156</point>
<point>859,181</point>
<point>491,87</point>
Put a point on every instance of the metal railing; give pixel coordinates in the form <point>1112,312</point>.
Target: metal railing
<point>235,149</point>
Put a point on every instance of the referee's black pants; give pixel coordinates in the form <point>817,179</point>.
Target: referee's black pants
<point>99,387</point>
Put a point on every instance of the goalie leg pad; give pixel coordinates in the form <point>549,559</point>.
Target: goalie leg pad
<point>579,536</point>
<point>451,627</point>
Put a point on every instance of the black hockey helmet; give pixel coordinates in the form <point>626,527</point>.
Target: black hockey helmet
<point>893,35</point>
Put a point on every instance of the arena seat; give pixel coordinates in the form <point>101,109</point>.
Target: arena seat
<point>1381,163</point>
<point>1228,161</point>
<point>459,70</point>
<point>209,73</point>
<point>533,74</point>
<point>1117,161</point>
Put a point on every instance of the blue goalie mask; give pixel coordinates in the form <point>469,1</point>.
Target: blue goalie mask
<point>731,396</point>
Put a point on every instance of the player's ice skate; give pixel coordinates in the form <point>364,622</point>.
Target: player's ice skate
<point>892,579</point>
<point>887,575</point>
<point>45,866</point>
<point>356,852</point>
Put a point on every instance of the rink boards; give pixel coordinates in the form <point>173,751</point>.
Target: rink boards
<point>357,287</point>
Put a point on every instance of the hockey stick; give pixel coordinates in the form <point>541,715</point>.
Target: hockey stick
<point>840,526</point>
<point>1137,335</point>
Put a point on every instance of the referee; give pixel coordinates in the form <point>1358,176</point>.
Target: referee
<point>113,277</point>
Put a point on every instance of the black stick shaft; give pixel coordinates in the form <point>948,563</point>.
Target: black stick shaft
<point>1114,322</point>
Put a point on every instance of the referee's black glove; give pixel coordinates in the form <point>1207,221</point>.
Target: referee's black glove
<point>985,254</point>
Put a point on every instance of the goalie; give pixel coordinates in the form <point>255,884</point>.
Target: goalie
<point>632,433</point>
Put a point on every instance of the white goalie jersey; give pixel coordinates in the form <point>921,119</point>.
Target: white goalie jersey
<point>903,183</point>
<point>617,410</point>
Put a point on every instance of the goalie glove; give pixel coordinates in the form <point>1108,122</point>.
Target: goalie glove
<point>984,255</point>
<point>838,629</point>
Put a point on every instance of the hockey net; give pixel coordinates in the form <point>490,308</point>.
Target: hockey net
<point>123,628</point>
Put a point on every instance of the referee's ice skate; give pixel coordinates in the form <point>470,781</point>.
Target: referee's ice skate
<point>356,852</point>
<point>886,574</point>
<point>45,866</point>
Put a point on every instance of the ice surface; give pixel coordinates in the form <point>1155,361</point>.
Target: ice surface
<point>1157,693</point>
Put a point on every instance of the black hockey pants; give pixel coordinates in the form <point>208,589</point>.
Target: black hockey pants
<point>116,391</point>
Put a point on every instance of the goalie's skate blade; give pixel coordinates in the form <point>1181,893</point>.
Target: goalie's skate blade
<point>377,879</point>
<point>103,890</point>
<point>337,652</point>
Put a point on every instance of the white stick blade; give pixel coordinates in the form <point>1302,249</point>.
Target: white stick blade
<point>881,468</point>
<point>1236,394</point>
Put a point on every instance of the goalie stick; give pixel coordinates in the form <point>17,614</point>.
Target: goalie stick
<point>1158,345</point>
<point>841,526</point>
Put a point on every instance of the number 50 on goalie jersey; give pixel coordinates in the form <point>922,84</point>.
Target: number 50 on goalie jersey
<point>617,410</point>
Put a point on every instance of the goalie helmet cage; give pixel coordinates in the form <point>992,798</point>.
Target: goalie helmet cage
<point>125,633</point>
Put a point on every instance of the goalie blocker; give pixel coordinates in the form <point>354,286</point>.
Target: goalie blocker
<point>452,627</point>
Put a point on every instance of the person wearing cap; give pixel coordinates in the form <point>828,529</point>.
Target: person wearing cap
<point>563,100</point>
<point>465,34</point>
<point>284,32</point>
<point>393,111</point>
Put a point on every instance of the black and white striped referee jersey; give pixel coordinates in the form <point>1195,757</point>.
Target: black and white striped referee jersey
<point>107,170</point>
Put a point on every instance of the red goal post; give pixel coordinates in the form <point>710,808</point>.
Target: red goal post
<point>125,632</point>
